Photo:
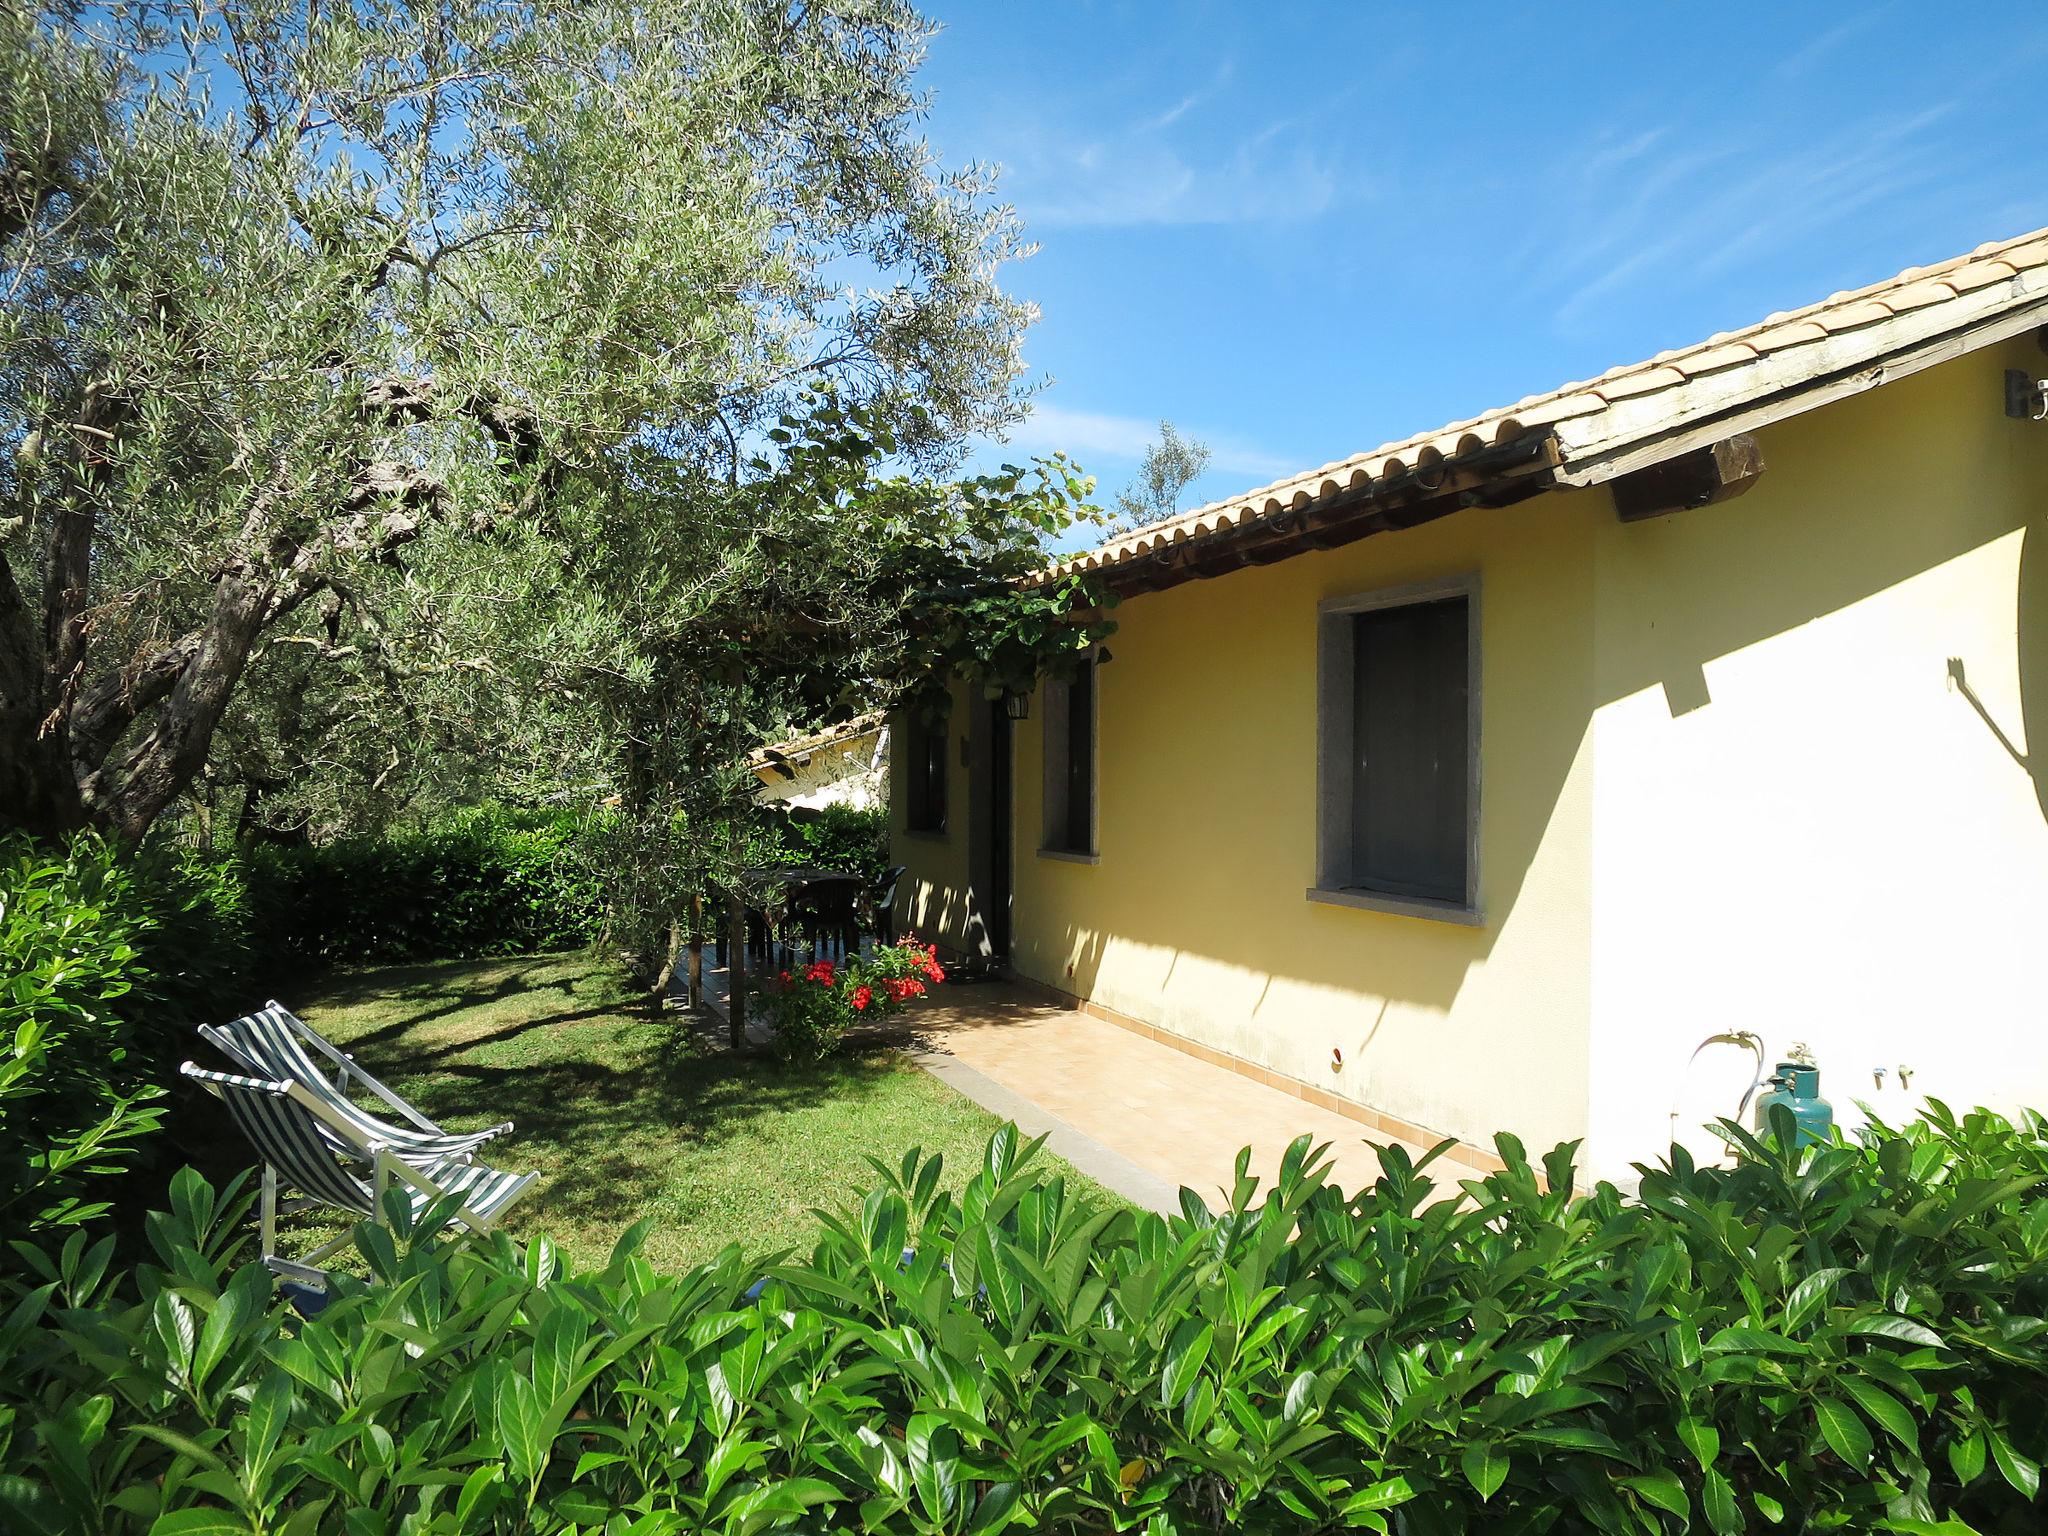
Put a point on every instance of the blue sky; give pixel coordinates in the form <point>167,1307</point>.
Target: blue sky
<point>1298,231</point>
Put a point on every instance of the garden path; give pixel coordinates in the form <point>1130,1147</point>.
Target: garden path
<point>1137,1115</point>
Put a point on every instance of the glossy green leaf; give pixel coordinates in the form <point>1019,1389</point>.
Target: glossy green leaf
<point>1485,1468</point>
<point>1966,1457</point>
<point>1886,1411</point>
<point>1662,1489</point>
<point>1385,1494</point>
<point>1702,1439</point>
<point>2022,1472</point>
<point>1717,1501</point>
<point>1843,1430</point>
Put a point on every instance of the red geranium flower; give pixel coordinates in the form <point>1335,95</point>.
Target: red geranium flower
<point>820,972</point>
<point>862,996</point>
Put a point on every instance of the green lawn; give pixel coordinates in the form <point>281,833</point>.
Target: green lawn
<point>626,1114</point>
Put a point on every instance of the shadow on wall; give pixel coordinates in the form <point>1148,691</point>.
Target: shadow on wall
<point>940,912</point>
<point>2032,647</point>
<point>2033,656</point>
<point>1727,577</point>
<point>1859,498</point>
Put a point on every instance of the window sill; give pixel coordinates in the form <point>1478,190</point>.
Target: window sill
<point>1400,906</point>
<point>1068,856</point>
<point>926,834</point>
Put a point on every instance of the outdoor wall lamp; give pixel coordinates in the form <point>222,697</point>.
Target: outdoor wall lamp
<point>1017,705</point>
<point>2026,397</point>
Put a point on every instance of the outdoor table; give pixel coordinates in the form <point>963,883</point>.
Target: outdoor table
<point>793,876</point>
<point>756,882</point>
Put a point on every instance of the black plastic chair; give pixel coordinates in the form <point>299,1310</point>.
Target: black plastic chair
<point>882,896</point>
<point>824,915</point>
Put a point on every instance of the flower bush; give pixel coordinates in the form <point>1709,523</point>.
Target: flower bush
<point>812,1008</point>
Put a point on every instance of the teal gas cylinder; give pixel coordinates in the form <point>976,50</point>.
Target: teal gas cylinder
<point>1796,1085</point>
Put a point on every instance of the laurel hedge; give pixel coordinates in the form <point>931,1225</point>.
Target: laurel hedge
<point>1842,1338</point>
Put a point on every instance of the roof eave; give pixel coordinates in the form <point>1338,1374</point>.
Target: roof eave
<point>1496,475</point>
<point>1783,385</point>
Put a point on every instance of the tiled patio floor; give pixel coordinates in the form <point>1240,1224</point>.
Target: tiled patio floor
<point>1177,1117</point>
<point>1174,1117</point>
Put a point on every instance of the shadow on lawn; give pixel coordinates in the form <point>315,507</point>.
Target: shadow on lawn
<point>429,983</point>
<point>612,1106</point>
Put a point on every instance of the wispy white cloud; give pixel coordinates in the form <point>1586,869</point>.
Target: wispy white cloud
<point>1093,436</point>
<point>1802,59</point>
<point>1622,217</point>
<point>1173,114</point>
<point>1183,163</point>
<point>1134,178</point>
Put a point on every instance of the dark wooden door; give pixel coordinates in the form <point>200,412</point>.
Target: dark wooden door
<point>997,898</point>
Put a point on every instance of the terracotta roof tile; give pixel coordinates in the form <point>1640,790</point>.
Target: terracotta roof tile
<point>1917,294</point>
<point>1642,381</point>
<point>1918,297</point>
<point>1792,333</point>
<point>1850,317</point>
<point>1730,354</point>
<point>1979,274</point>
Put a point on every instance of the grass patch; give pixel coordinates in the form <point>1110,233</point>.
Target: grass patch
<point>626,1114</point>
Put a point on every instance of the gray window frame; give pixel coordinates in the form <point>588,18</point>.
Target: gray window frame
<point>1335,881</point>
<point>1052,768</point>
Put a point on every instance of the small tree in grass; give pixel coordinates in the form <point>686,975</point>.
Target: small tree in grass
<point>1169,467</point>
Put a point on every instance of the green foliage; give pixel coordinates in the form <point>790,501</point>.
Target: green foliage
<point>72,1102</point>
<point>202,950</point>
<point>1167,469</point>
<point>841,837</point>
<point>360,368</point>
<point>812,1007</point>
<point>1848,1337</point>
<point>107,959</point>
<point>482,882</point>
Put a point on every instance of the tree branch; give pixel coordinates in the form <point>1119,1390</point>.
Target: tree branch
<point>130,789</point>
<point>26,187</point>
<point>107,706</point>
<point>67,579</point>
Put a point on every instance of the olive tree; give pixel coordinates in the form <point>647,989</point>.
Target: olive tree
<point>840,585</point>
<point>1168,468</point>
<point>423,357</point>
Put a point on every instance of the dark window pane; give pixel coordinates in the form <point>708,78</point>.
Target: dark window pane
<point>1080,828</point>
<point>925,756</point>
<point>1411,747</point>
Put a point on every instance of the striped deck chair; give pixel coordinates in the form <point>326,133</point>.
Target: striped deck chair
<point>293,1131</point>
<point>277,1045</point>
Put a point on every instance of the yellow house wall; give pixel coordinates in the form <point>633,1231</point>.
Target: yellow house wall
<point>1804,827</point>
<point>1730,780</point>
<point>1196,916</point>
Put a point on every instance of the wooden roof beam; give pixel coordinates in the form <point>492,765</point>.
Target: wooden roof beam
<point>1721,471</point>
